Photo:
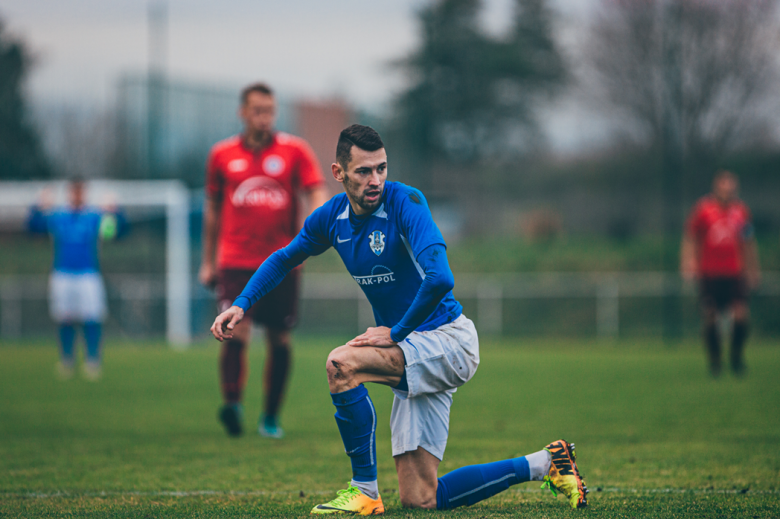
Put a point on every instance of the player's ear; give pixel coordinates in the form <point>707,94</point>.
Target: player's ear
<point>338,172</point>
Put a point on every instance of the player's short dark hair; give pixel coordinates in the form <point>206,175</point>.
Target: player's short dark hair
<point>724,173</point>
<point>260,88</point>
<point>364,137</point>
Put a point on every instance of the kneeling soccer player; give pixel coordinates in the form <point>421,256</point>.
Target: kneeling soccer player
<point>423,347</point>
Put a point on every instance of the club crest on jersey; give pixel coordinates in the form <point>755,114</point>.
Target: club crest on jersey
<point>273,165</point>
<point>377,242</point>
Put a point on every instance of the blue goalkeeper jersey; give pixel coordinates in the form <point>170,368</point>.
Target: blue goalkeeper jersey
<point>75,234</point>
<point>380,251</point>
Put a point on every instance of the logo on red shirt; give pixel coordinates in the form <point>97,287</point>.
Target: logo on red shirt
<point>273,165</point>
<point>237,165</point>
<point>723,232</point>
<point>260,191</point>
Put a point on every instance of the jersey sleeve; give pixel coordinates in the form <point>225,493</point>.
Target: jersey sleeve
<point>314,238</point>
<point>437,283</point>
<point>309,171</point>
<point>37,221</point>
<point>214,178</point>
<point>416,222</point>
<point>311,241</point>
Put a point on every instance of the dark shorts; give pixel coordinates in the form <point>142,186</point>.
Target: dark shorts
<point>277,310</point>
<point>722,292</point>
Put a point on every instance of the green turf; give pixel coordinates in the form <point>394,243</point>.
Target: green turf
<point>653,431</point>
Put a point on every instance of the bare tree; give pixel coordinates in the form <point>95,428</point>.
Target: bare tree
<point>727,54</point>
<point>81,142</point>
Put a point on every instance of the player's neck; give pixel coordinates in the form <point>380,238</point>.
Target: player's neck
<point>257,141</point>
<point>723,202</point>
<point>358,211</point>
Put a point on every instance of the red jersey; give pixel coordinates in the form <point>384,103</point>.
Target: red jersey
<point>257,191</point>
<point>720,232</point>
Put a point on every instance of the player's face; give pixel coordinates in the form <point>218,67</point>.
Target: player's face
<point>725,188</point>
<point>259,114</point>
<point>76,194</point>
<point>364,179</point>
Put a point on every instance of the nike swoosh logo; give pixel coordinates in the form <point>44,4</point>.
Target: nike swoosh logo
<point>342,241</point>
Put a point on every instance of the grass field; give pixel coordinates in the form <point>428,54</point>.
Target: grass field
<point>656,437</point>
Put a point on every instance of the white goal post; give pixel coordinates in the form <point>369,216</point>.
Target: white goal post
<point>172,195</point>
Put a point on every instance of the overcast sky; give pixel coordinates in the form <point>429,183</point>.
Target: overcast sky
<point>304,47</point>
<point>309,48</point>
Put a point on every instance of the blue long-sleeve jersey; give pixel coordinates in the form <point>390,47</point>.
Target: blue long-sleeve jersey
<point>75,234</point>
<point>396,254</point>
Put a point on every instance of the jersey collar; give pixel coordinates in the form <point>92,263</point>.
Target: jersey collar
<point>250,149</point>
<point>357,221</point>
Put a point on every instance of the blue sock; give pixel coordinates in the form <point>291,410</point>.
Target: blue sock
<point>356,419</point>
<point>67,338</point>
<point>472,484</point>
<point>92,333</point>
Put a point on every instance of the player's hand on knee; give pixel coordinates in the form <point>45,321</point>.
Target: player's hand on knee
<point>226,322</point>
<point>378,337</point>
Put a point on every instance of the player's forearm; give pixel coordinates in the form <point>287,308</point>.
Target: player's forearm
<point>270,274</point>
<point>688,255</point>
<point>113,225</point>
<point>36,221</point>
<point>210,230</point>
<point>437,283</point>
<point>122,225</point>
<point>752,265</point>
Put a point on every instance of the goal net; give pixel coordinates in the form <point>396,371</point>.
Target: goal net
<point>148,275</point>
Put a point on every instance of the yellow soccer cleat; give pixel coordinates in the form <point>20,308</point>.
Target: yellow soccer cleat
<point>564,475</point>
<point>351,501</point>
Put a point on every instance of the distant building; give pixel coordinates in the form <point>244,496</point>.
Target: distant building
<point>320,122</point>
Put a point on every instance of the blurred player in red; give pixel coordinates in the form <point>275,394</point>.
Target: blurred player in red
<point>253,182</point>
<point>719,250</point>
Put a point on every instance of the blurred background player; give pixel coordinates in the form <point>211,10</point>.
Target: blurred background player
<point>253,182</point>
<point>76,291</point>
<point>719,249</point>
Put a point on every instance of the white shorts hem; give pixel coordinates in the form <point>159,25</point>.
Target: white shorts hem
<point>435,451</point>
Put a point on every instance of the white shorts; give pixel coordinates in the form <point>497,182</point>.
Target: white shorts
<point>437,363</point>
<point>77,297</point>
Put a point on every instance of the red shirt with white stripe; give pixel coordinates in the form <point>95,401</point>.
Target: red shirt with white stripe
<point>257,191</point>
<point>720,231</point>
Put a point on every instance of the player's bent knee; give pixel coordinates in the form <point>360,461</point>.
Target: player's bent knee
<point>339,365</point>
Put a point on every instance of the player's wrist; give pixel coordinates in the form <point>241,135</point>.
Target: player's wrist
<point>243,303</point>
<point>397,334</point>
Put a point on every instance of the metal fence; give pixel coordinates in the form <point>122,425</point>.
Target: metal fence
<point>604,305</point>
